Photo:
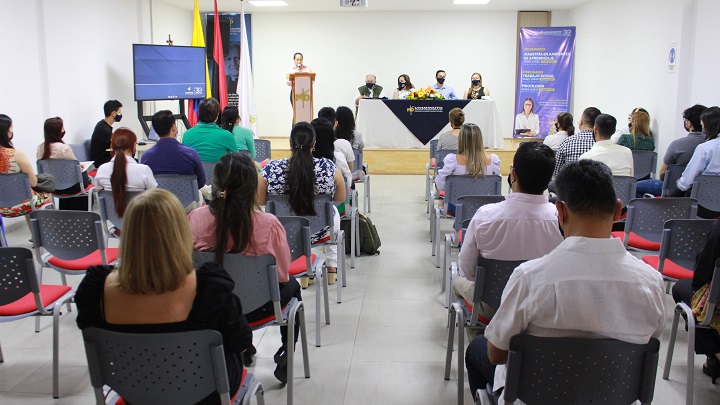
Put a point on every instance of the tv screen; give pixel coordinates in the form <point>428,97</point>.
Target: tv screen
<point>165,72</point>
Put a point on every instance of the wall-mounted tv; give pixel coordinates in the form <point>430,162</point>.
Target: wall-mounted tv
<point>163,72</point>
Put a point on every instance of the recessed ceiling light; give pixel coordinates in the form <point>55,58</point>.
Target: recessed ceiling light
<point>471,1</point>
<point>268,3</point>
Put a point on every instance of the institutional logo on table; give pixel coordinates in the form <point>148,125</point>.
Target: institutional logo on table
<point>425,109</point>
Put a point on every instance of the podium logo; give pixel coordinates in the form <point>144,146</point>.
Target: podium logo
<point>411,110</point>
<point>303,96</point>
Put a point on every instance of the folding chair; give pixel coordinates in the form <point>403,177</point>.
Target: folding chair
<point>682,240</point>
<point>209,169</point>
<point>256,283</point>
<point>184,367</point>
<point>491,276</point>
<point>560,371</point>
<point>430,167</point>
<point>106,205</point>
<point>362,175</point>
<point>672,175</point>
<point>67,173</point>
<point>16,190</point>
<point>22,295</point>
<point>706,190</point>
<point>304,263</point>
<point>184,187</point>
<point>73,241</point>
<point>644,164</point>
<point>457,186</point>
<point>439,164</point>
<point>646,217</point>
<point>279,205</point>
<point>263,150</point>
<point>692,324</point>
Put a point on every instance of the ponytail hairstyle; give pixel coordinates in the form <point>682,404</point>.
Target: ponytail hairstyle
<point>470,145</point>
<point>235,184</point>
<point>53,133</point>
<point>345,124</point>
<point>324,139</point>
<point>565,123</point>
<point>122,139</point>
<point>229,116</point>
<point>301,169</point>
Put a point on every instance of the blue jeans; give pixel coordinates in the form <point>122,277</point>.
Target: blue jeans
<point>480,371</point>
<point>651,186</point>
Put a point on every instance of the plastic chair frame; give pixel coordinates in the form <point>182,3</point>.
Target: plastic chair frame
<point>27,195</point>
<point>260,154</point>
<point>699,183</point>
<point>672,175</point>
<point>439,164</point>
<point>362,176</point>
<point>625,186</point>
<point>430,168</point>
<point>352,214</point>
<point>191,185</point>
<point>209,169</point>
<point>55,167</point>
<point>631,213</point>
<point>106,206</point>
<point>653,163</point>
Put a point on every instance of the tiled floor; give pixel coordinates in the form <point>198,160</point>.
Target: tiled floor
<point>385,345</point>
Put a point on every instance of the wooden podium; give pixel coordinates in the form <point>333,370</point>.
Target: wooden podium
<point>302,91</point>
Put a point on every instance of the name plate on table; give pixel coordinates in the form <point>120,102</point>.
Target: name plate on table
<point>424,118</point>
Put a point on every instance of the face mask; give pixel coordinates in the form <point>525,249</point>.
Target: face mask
<point>475,82</point>
<point>629,125</point>
<point>441,80</point>
<point>401,85</point>
<point>369,85</point>
<point>62,134</point>
<point>118,117</point>
<point>557,127</point>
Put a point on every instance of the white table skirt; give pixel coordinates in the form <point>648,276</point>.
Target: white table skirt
<point>381,129</point>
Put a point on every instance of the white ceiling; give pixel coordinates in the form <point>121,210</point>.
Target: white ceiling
<point>382,5</point>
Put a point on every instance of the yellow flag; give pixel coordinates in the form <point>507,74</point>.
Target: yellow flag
<point>198,39</point>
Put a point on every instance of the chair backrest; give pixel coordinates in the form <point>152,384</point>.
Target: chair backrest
<point>714,294</point>
<point>467,206</point>
<point>17,275</point>
<point>560,371</point>
<point>161,368</point>
<point>706,190</point>
<point>263,150</point>
<point>87,145</point>
<point>68,235</point>
<point>625,188</point>
<point>255,277</point>
<point>672,175</point>
<point>440,157</point>
<point>491,276</point>
<point>209,169</point>
<point>683,239</point>
<point>644,163</point>
<point>358,164</point>
<point>106,205</point>
<point>79,151</point>
<point>245,152</point>
<point>297,230</point>
<point>15,189</point>
<point>647,216</point>
<point>279,205</point>
<point>457,186</point>
<point>184,187</point>
<point>67,173</point>
<point>433,149</point>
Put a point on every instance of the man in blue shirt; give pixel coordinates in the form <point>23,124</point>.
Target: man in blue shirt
<point>440,86</point>
<point>169,156</point>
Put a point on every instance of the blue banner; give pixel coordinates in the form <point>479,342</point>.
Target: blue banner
<point>544,80</point>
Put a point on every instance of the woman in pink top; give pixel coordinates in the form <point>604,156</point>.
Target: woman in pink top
<point>470,158</point>
<point>232,220</point>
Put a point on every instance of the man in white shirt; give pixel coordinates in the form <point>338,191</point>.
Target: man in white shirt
<point>617,157</point>
<point>522,227</point>
<point>588,287</point>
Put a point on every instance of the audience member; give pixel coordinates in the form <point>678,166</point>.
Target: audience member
<point>155,288</point>
<point>628,130</point>
<point>169,156</point>
<point>588,273</point>
<point>100,139</point>
<point>563,129</point>
<point>302,176</point>
<point>443,88</point>
<point>617,157</point>
<point>15,161</point>
<point>329,114</point>
<point>476,90</point>
<point>233,221</point>
<point>345,128</point>
<point>571,148</point>
<point>325,147</point>
<point>244,138</point>
<point>122,173</point>
<point>706,157</point>
<point>470,157</point>
<point>640,136</point>
<point>370,89</point>
<point>449,140</point>
<point>523,227</point>
<point>209,140</point>
<point>404,87</point>
<point>527,122</point>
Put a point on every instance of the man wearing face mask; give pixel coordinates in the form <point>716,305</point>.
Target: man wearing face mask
<point>370,89</point>
<point>100,140</point>
<point>443,88</point>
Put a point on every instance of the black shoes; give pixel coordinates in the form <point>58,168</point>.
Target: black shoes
<point>281,368</point>
<point>247,356</point>
<point>713,368</point>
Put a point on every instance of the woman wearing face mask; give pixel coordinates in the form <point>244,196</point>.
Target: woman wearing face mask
<point>404,87</point>
<point>476,90</point>
<point>564,127</point>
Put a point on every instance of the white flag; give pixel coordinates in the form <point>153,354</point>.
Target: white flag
<point>246,93</point>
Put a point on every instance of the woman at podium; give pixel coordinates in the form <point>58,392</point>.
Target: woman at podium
<point>298,67</point>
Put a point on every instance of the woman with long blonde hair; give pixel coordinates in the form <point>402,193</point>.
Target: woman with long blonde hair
<point>640,136</point>
<point>470,158</point>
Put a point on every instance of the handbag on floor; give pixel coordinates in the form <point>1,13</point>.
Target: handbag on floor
<point>369,237</point>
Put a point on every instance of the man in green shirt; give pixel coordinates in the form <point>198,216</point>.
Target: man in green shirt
<point>209,140</point>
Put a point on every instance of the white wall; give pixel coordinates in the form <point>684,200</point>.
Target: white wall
<point>343,47</point>
<point>704,81</point>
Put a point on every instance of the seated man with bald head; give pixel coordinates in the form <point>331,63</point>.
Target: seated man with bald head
<point>370,89</point>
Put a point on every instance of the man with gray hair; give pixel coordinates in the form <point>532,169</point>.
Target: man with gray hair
<point>370,89</point>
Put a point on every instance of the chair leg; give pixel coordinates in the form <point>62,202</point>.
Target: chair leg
<point>37,323</point>
<point>460,356</point>
<point>2,359</point>
<point>452,316</point>
<point>367,191</point>
<point>436,243</point>
<point>317,307</point>
<point>56,350</point>
<point>446,260</point>
<point>690,360</point>
<point>326,294</point>
<point>671,344</point>
<point>353,227</point>
<point>427,181</point>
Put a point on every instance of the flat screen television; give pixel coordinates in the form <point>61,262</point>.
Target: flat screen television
<point>163,72</point>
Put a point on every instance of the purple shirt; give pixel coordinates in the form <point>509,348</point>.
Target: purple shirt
<point>169,156</point>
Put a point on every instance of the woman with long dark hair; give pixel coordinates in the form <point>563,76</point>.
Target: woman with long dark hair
<point>243,136</point>
<point>122,173</point>
<point>563,129</point>
<point>325,146</point>
<point>234,223</point>
<point>302,176</point>
<point>345,128</point>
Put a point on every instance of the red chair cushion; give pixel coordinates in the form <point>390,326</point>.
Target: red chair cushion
<point>88,188</point>
<point>92,173</point>
<point>670,269</point>
<point>244,374</point>
<point>480,317</point>
<point>263,321</point>
<point>26,304</point>
<point>433,163</point>
<point>93,259</point>
<point>460,237</point>
<point>297,266</point>
<point>441,193</point>
<point>637,241</point>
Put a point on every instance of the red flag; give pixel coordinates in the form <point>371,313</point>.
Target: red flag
<point>219,57</point>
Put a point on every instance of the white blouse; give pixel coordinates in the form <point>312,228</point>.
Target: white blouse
<point>139,177</point>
